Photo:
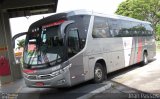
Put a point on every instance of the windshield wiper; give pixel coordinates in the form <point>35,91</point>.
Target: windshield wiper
<point>31,56</point>
<point>46,60</point>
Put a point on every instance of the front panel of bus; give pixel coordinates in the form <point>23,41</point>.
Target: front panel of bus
<point>53,58</point>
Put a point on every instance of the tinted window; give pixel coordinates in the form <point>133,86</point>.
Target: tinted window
<point>82,23</point>
<point>100,28</point>
<point>120,28</point>
<point>124,28</point>
<point>115,26</point>
<point>73,42</point>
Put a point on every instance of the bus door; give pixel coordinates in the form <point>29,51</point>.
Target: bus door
<point>75,58</point>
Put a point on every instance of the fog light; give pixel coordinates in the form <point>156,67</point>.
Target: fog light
<point>60,82</point>
<point>56,73</point>
<point>67,67</point>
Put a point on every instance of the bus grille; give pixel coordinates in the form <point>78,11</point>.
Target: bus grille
<point>46,77</point>
<point>32,77</point>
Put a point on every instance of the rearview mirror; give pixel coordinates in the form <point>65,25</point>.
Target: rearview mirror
<point>62,29</point>
<point>17,36</point>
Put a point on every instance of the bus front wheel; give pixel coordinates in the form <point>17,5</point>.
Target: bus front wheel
<point>99,74</point>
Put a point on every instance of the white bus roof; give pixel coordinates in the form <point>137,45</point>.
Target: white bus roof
<point>79,12</point>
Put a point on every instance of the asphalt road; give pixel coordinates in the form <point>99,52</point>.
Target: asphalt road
<point>18,90</point>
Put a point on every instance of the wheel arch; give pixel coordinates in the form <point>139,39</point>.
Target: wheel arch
<point>145,51</point>
<point>103,63</point>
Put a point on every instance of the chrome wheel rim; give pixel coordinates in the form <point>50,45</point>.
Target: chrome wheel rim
<point>98,73</point>
<point>145,59</point>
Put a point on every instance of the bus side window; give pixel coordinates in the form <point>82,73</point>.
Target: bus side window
<point>73,42</point>
<point>100,28</point>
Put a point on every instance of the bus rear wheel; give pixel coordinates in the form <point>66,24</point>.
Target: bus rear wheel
<point>99,74</point>
<point>145,59</point>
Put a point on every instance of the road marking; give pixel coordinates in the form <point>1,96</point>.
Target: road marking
<point>99,90</point>
<point>18,90</point>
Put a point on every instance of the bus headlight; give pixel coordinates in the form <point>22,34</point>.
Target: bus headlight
<point>67,67</point>
<point>56,73</point>
<point>56,68</point>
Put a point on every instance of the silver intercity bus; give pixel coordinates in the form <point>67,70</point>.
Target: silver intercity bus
<point>68,48</point>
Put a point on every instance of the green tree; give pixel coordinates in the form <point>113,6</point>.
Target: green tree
<point>147,10</point>
<point>158,32</point>
<point>21,43</point>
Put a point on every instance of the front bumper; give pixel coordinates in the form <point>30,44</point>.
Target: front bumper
<point>59,78</point>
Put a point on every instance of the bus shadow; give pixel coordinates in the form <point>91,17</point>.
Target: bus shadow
<point>127,69</point>
<point>68,92</point>
<point>59,93</point>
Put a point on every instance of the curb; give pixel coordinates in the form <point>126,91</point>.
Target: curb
<point>99,90</point>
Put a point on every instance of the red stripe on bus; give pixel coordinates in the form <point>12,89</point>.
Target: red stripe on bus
<point>53,24</point>
<point>139,50</point>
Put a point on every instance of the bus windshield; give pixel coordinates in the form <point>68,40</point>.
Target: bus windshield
<point>43,46</point>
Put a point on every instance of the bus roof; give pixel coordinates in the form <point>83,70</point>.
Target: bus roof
<point>78,12</point>
<point>64,15</point>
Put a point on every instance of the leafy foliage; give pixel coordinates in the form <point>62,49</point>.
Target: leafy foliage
<point>158,32</point>
<point>147,10</point>
<point>21,43</point>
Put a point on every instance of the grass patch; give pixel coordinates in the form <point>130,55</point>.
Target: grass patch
<point>158,45</point>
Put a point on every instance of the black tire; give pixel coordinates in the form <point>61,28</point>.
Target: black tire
<point>145,58</point>
<point>99,73</point>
